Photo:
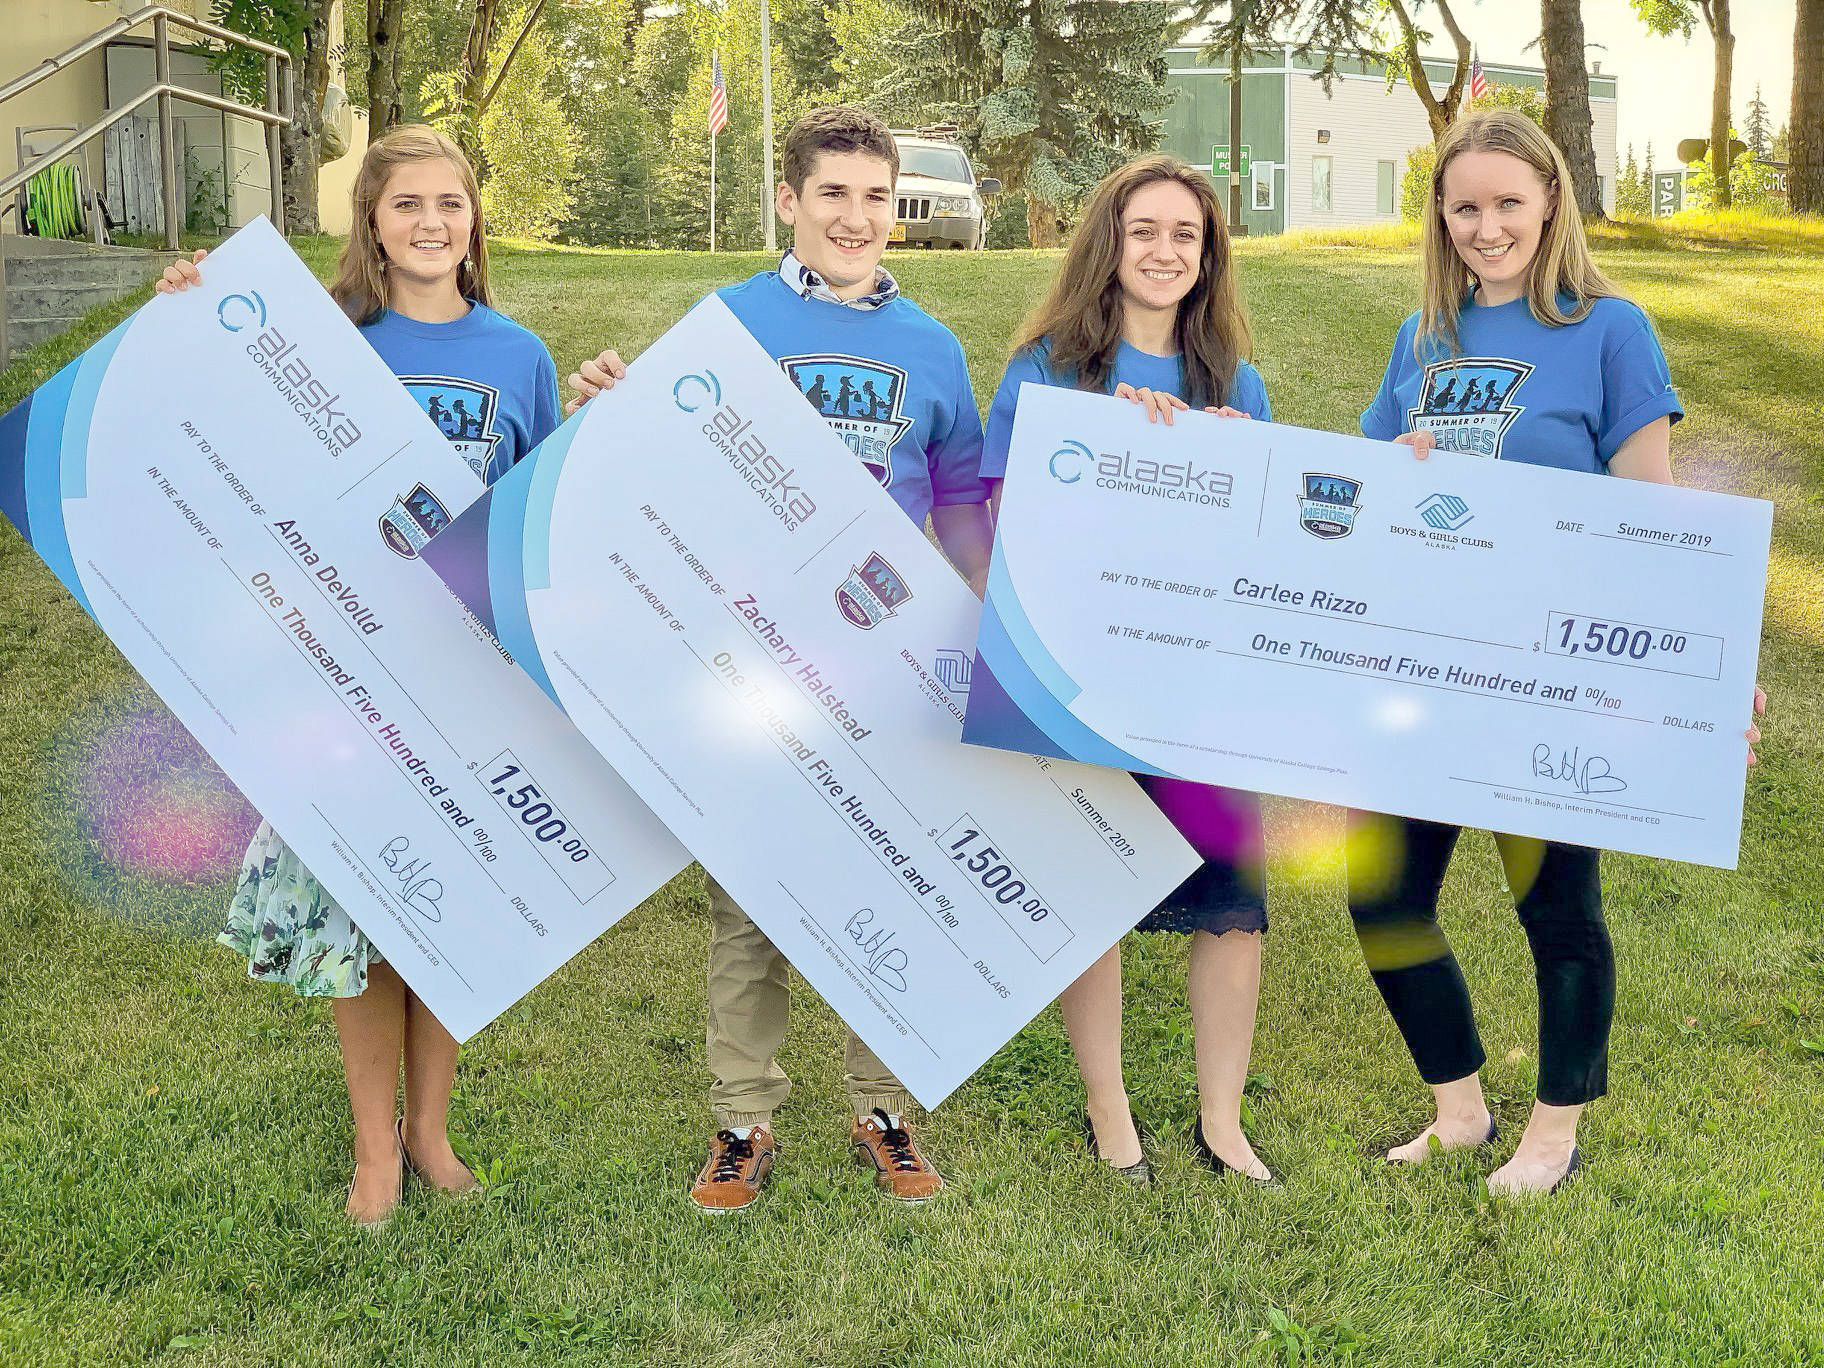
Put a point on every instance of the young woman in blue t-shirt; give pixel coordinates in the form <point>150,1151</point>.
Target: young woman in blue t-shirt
<point>1147,307</point>
<point>414,277</point>
<point>1523,351</point>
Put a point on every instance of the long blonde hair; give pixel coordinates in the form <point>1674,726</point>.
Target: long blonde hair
<point>1082,312</point>
<point>1561,265</point>
<point>361,286</point>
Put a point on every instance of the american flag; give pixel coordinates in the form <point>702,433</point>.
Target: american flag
<point>1478,83</point>
<point>718,97</point>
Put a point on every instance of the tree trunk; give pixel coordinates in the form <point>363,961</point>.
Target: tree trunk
<point>475,77</point>
<point>385,108</point>
<point>1805,150</point>
<point>1441,113</point>
<point>1567,99</point>
<point>300,140</point>
<point>1042,224</point>
<point>1724,36</point>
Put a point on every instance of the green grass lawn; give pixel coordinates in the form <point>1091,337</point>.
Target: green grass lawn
<point>173,1138</point>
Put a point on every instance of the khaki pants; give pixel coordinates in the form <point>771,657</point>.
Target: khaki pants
<point>749,1003</point>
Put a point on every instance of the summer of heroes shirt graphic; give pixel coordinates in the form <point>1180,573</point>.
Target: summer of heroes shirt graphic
<point>1518,389</point>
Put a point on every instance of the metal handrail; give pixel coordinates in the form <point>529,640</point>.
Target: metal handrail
<point>280,103</point>
<point>50,66</point>
<point>114,116</point>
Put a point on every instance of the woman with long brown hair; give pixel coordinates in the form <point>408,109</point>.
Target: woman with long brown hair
<point>1521,350</point>
<point>414,277</point>
<point>1146,307</point>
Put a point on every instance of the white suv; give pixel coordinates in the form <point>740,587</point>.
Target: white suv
<point>939,199</point>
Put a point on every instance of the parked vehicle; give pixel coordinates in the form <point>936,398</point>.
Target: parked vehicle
<point>939,201</point>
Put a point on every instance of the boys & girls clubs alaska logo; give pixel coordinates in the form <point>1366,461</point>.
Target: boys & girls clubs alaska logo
<point>1329,504</point>
<point>872,592</point>
<point>1468,403</point>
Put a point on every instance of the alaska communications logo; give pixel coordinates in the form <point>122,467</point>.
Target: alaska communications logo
<point>872,592</point>
<point>1181,481</point>
<point>1329,504</point>
<point>952,670</point>
<point>695,387</point>
<point>1446,512</point>
<point>1468,403</point>
<point>775,483</point>
<point>247,308</point>
<point>861,400</point>
<point>281,360</point>
<point>1068,461</point>
<point>412,521</point>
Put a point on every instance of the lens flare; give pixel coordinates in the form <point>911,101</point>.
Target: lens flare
<point>138,819</point>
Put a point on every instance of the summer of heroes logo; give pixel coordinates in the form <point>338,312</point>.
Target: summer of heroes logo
<point>280,362</point>
<point>861,400</point>
<point>463,411</point>
<point>1468,403</point>
<point>412,521</point>
<point>872,592</point>
<point>774,482</point>
<point>1329,504</point>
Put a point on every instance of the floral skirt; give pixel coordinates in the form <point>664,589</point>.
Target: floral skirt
<point>290,929</point>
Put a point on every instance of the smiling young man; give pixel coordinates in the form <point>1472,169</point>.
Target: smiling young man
<point>891,381</point>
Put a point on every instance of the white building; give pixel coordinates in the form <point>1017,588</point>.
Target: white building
<point>1317,159</point>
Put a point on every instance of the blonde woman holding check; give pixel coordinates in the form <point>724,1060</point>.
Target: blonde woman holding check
<point>1518,322</point>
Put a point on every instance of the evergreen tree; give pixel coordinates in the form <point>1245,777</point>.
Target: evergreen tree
<point>1629,200</point>
<point>1051,95</point>
<point>1758,132</point>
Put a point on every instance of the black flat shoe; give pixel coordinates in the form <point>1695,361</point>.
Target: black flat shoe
<point>1213,1161</point>
<point>1571,1170</point>
<point>1139,1173</point>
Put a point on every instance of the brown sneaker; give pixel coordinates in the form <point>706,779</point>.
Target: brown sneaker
<point>736,1169</point>
<point>900,1170</point>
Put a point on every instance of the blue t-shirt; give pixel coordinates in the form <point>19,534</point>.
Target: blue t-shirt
<point>1522,391</point>
<point>891,382</point>
<point>488,384</point>
<point>1133,367</point>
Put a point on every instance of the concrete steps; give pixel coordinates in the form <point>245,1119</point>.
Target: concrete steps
<point>50,285</point>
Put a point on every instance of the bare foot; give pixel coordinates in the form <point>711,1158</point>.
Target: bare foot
<point>1537,1166</point>
<point>1452,1132</point>
<point>435,1162</point>
<point>1117,1141</point>
<point>1228,1144</point>
<point>374,1194</point>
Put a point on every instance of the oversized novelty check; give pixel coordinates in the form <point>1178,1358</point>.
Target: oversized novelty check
<point>750,630</point>
<point>236,489</point>
<point>1295,612</point>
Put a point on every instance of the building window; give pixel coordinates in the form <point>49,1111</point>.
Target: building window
<point>1386,187</point>
<point>1320,185</point>
<point>1263,185</point>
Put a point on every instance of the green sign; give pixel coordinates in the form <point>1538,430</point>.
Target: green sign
<point>1219,160</point>
<point>1668,192</point>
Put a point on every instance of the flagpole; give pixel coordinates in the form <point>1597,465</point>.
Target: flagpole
<point>766,122</point>
<point>712,192</point>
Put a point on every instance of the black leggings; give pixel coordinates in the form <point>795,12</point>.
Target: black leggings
<point>1396,869</point>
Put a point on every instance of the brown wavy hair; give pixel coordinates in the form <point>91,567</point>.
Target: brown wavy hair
<point>361,286</point>
<point>1562,264</point>
<point>1082,312</point>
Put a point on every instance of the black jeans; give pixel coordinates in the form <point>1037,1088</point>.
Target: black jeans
<point>1396,869</point>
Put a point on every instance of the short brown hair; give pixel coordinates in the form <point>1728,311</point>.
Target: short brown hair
<point>835,128</point>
